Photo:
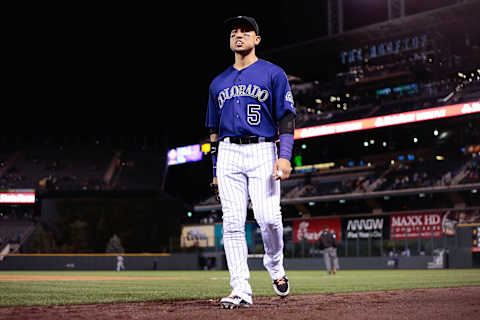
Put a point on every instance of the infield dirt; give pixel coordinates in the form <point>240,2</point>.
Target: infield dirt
<point>442,303</point>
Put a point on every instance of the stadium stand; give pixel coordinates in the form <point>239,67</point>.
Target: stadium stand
<point>138,170</point>
<point>408,175</point>
<point>471,172</point>
<point>419,62</point>
<point>16,225</point>
<point>89,165</point>
<point>316,107</point>
<point>62,167</point>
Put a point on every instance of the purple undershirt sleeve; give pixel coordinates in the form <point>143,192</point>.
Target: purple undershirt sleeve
<point>286,146</point>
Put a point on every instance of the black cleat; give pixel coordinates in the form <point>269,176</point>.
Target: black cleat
<point>281,286</point>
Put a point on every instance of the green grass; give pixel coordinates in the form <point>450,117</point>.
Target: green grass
<point>214,284</point>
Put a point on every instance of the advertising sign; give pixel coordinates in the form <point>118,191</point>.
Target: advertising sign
<point>375,227</point>
<point>198,236</point>
<point>416,225</point>
<point>310,229</point>
<point>388,120</point>
<point>12,196</point>
<point>358,55</point>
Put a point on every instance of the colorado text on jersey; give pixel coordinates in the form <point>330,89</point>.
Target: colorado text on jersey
<point>242,91</point>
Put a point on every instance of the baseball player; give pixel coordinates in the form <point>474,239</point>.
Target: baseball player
<point>250,107</point>
<point>120,265</point>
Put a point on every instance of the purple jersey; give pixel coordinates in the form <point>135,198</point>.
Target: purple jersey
<point>249,102</point>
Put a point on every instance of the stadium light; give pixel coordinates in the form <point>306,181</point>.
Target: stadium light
<point>443,135</point>
<point>415,139</point>
<point>435,132</point>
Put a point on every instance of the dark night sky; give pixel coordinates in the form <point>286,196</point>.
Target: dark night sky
<point>133,69</point>
<point>138,69</point>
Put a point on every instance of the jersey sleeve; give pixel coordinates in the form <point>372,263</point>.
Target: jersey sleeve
<point>282,95</point>
<point>212,119</point>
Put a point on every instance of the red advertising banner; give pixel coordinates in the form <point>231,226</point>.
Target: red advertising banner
<point>310,229</point>
<point>389,120</point>
<point>416,225</point>
<point>17,197</point>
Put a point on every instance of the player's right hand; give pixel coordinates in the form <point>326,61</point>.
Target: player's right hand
<point>282,169</point>
<point>214,187</point>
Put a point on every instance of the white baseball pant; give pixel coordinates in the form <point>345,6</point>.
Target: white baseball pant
<point>245,170</point>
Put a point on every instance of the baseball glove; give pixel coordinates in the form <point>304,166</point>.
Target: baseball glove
<point>214,188</point>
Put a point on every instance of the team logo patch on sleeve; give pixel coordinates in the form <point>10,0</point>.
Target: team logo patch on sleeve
<point>289,97</point>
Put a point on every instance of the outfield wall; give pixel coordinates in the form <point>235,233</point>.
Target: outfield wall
<point>351,263</point>
<point>188,261</point>
<point>194,261</point>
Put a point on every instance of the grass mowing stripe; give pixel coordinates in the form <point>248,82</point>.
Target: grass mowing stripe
<point>213,285</point>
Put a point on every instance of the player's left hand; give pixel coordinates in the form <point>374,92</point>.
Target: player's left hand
<point>282,169</point>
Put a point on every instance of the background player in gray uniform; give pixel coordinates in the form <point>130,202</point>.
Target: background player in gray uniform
<point>120,264</point>
<point>250,107</point>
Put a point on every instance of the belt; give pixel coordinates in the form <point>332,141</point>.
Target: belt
<point>247,140</point>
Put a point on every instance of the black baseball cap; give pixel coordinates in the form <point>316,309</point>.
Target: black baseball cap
<point>234,21</point>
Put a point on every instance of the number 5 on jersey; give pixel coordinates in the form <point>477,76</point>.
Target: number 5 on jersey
<point>253,114</point>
